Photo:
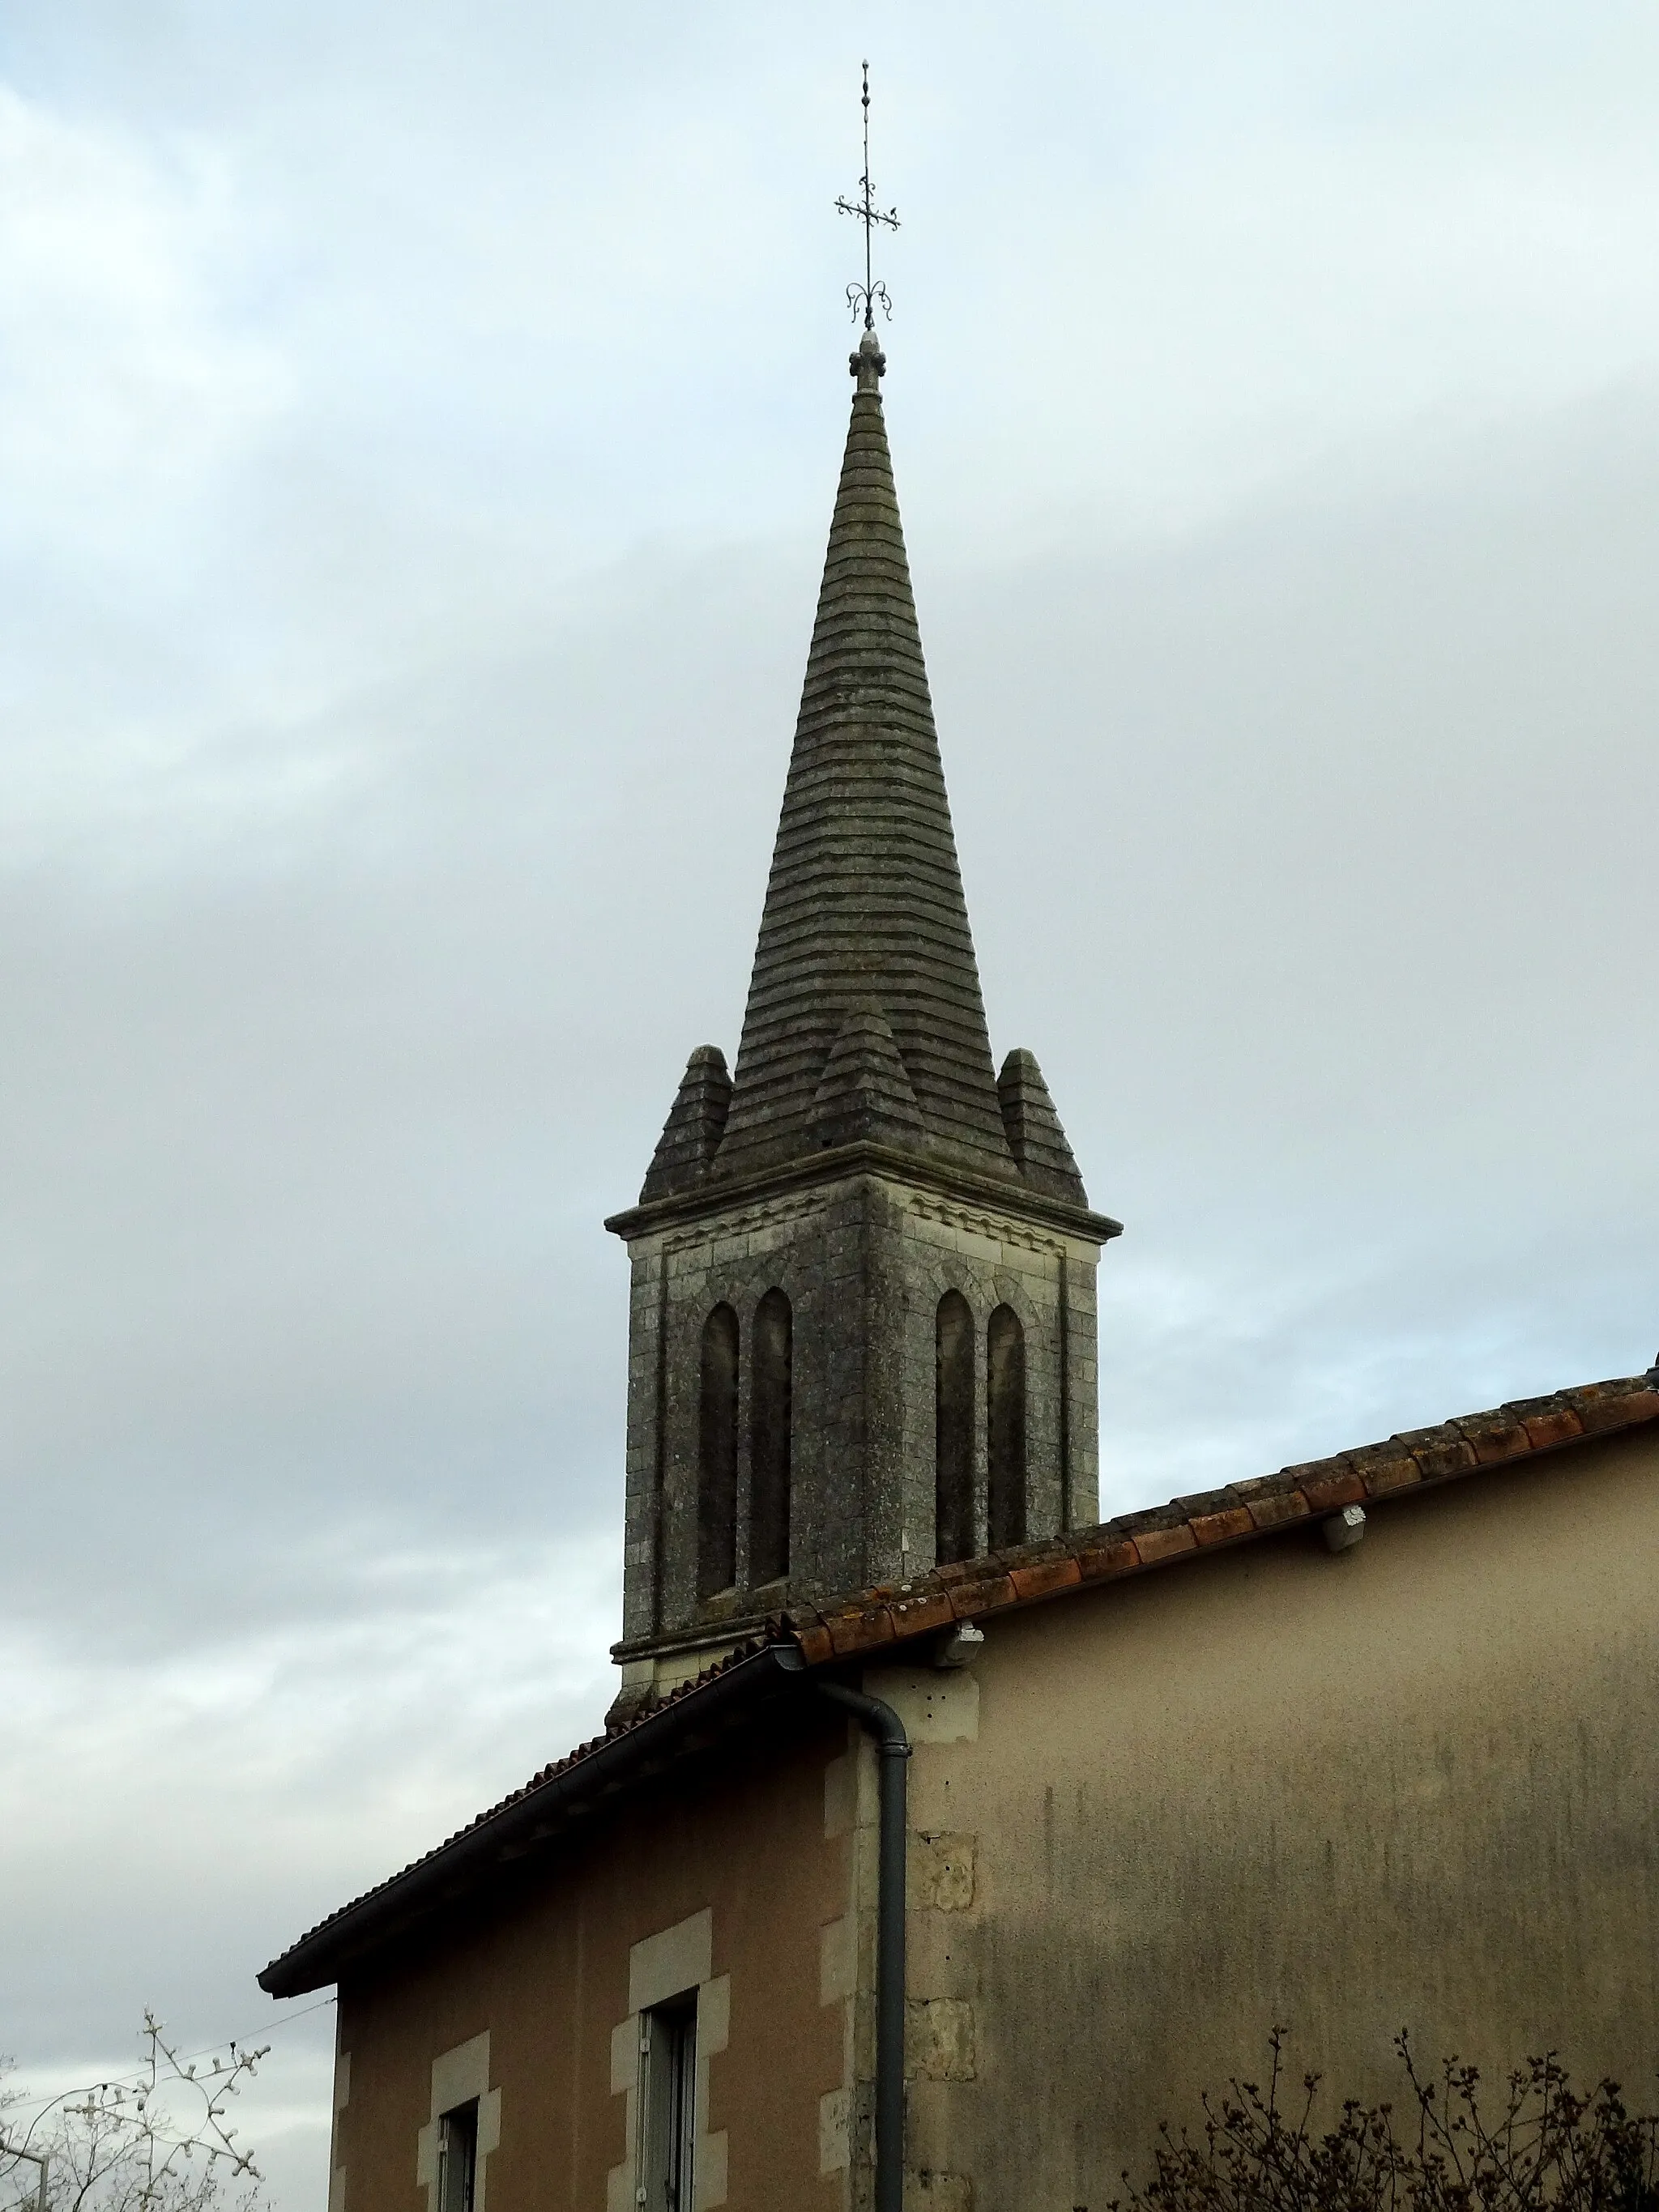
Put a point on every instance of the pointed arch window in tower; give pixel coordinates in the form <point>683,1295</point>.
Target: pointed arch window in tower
<point>1005,1426</point>
<point>770,1363</point>
<point>953,1433</point>
<point>717,1454</point>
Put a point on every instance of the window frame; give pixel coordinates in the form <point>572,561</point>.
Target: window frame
<point>665,2166</point>
<point>458,2137</point>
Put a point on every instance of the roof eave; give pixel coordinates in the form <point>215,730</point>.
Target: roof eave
<point>658,1740</point>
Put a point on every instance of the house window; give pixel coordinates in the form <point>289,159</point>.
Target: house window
<point>1004,1424</point>
<point>668,2105</point>
<point>768,1442</point>
<point>953,1429</point>
<point>717,1454</point>
<point>457,2157</point>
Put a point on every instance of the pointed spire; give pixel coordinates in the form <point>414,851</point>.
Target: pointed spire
<point>864,901</point>
<point>1035,1136</point>
<point>865,1091</point>
<point>697,1122</point>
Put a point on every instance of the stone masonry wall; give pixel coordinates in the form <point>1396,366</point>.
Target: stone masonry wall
<point>864,1261</point>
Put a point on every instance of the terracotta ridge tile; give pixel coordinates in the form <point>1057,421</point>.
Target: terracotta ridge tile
<point>1380,1468</point>
<point>1273,1508</point>
<point>1438,1452</point>
<point>925,1609</point>
<point>1151,1517</point>
<point>1203,1503</point>
<point>1622,1404</point>
<point>1234,1511</point>
<point>850,1632</point>
<point>1061,1572</point>
<point>1222,1528</point>
<point>1098,1561</point>
<point>1342,1485</point>
<point>1546,1421</point>
<point>1495,1435</point>
<point>985,1595</point>
<point>1286,1479</point>
<point>1154,1543</point>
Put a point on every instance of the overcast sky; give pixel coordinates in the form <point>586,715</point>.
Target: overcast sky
<point>418,426</point>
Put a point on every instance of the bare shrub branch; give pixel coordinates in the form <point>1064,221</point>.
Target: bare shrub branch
<point>1543,2147</point>
<point>161,2141</point>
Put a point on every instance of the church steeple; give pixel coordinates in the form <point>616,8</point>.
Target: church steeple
<point>862,1333</point>
<point>865,905</point>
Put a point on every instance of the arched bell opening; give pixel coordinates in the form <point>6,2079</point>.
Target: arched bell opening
<point>1005,1426</point>
<point>717,1454</point>
<point>953,1434</point>
<point>771,1390</point>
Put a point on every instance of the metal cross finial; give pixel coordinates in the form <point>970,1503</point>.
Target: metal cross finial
<point>868,295</point>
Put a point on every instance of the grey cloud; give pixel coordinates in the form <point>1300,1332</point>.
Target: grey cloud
<point>389,795</point>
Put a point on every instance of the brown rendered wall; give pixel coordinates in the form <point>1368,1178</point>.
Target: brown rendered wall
<point>1415,1784</point>
<point>743,1835</point>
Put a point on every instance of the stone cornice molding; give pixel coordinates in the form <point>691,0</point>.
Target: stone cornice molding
<point>720,1194</point>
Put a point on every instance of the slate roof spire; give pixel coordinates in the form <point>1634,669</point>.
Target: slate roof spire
<point>864,913</point>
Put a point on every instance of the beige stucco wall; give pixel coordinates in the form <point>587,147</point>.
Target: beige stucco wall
<point>727,1882</point>
<point>1415,1784</point>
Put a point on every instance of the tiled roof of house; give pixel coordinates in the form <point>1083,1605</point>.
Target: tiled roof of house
<point>862,1623</point>
<point>307,1963</point>
<point>1131,1542</point>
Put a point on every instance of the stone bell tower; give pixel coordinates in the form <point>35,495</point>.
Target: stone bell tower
<point>862,1333</point>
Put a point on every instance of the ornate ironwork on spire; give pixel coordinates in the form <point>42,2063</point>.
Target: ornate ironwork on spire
<point>868,295</point>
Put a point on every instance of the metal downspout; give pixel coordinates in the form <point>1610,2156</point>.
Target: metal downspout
<point>881,1722</point>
